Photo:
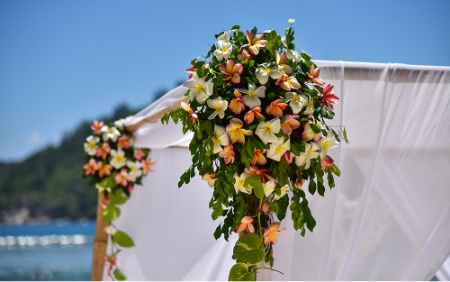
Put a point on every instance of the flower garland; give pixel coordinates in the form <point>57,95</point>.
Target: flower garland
<point>115,166</point>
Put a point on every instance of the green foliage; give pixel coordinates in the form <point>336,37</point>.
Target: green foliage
<point>248,248</point>
<point>123,239</point>
<point>119,275</point>
<point>240,272</point>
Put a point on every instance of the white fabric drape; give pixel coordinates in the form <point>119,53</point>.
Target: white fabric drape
<point>387,219</point>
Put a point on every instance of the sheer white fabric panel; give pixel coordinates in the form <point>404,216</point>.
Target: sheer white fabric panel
<point>387,219</point>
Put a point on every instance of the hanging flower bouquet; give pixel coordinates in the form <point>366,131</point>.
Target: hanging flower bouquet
<point>115,166</point>
<point>258,110</point>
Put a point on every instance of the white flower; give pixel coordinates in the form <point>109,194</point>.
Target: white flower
<point>119,123</point>
<point>239,184</point>
<point>251,100</point>
<point>224,38</point>
<point>119,159</point>
<point>309,110</point>
<point>135,170</point>
<point>110,133</point>
<point>219,107</point>
<point>277,149</point>
<point>284,190</point>
<point>311,152</point>
<point>327,144</point>
<point>264,71</point>
<point>220,139</point>
<point>269,187</point>
<point>111,230</point>
<point>297,102</point>
<point>223,51</point>
<point>199,88</point>
<point>291,54</point>
<point>90,147</point>
<point>266,130</point>
<point>291,21</point>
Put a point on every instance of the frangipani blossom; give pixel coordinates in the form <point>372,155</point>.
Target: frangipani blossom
<point>254,42</point>
<point>281,62</point>
<point>258,157</point>
<point>276,108</point>
<point>122,178</point>
<point>291,54</point>
<point>277,149</point>
<point>191,112</point>
<point>210,178</point>
<point>288,83</point>
<point>269,187</point>
<point>224,37</point>
<point>236,104</point>
<point>223,50</point>
<point>119,123</point>
<point>110,133</point>
<point>327,162</point>
<point>118,158</point>
<point>236,132</point>
<point>309,110</point>
<point>264,71</point>
<point>103,169</point>
<point>124,142</point>
<point>90,167</point>
<point>289,123</point>
<point>328,98</point>
<point>297,102</point>
<point>271,232</point>
<point>220,138</point>
<point>103,151</point>
<point>265,207</point>
<point>299,183</point>
<point>244,56</point>
<point>309,134</point>
<point>284,190</point>
<point>231,71</point>
<point>135,170</point>
<point>138,154</point>
<point>147,165</point>
<point>97,127</point>
<point>288,157</point>
<point>239,184</point>
<point>311,152</point>
<point>313,75</point>
<point>90,147</point>
<point>251,100</point>
<point>200,90</point>
<point>327,144</point>
<point>266,130</point>
<point>252,114</point>
<point>246,224</point>
<point>219,107</point>
<point>261,173</point>
<point>227,154</point>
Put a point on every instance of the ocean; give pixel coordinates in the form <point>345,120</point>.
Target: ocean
<point>46,251</point>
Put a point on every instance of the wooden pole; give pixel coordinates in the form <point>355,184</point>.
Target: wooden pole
<point>100,242</point>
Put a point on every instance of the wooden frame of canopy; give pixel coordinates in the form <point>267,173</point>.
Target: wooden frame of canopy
<point>101,237</point>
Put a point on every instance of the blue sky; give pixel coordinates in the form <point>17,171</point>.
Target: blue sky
<point>62,62</point>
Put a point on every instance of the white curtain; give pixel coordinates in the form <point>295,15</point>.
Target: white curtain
<point>387,219</point>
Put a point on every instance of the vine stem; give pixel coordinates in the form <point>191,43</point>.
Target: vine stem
<point>259,219</point>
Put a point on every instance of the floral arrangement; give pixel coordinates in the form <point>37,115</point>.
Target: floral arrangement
<point>114,166</point>
<point>257,109</point>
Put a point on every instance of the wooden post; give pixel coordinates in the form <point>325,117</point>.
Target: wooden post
<point>100,243</point>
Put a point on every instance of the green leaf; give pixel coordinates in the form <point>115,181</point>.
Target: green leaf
<point>344,132</point>
<point>296,148</point>
<point>239,272</point>
<point>120,197</point>
<point>320,188</point>
<point>111,212</point>
<point>336,170</point>
<point>108,182</point>
<point>123,239</point>
<point>198,64</point>
<point>305,56</point>
<point>119,275</point>
<point>248,248</point>
<point>312,186</point>
<point>237,27</point>
<point>218,232</point>
<point>314,128</point>
<point>255,182</point>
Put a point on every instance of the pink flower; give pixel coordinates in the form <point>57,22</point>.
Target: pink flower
<point>124,142</point>
<point>139,154</point>
<point>288,157</point>
<point>97,127</point>
<point>299,183</point>
<point>255,43</point>
<point>252,114</point>
<point>270,234</point>
<point>210,178</point>
<point>227,154</point>
<point>90,167</point>
<point>103,151</point>
<point>244,56</point>
<point>289,123</point>
<point>231,71</point>
<point>122,178</point>
<point>288,83</point>
<point>328,98</point>
<point>246,224</point>
<point>327,162</point>
<point>265,208</point>
<point>276,108</point>
<point>314,75</point>
<point>191,112</point>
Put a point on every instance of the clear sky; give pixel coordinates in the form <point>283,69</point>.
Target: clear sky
<point>62,62</point>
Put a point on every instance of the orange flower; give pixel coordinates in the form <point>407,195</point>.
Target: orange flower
<point>236,104</point>
<point>251,114</point>
<point>327,162</point>
<point>288,157</point>
<point>97,127</point>
<point>124,142</point>
<point>313,75</point>
<point>210,178</point>
<point>191,112</point>
<point>122,178</point>
<point>245,56</point>
<point>246,224</point>
<point>270,235</point>
<point>288,83</point>
<point>289,123</point>
<point>258,157</point>
<point>231,71</point>
<point>265,208</point>
<point>261,172</point>
<point>147,165</point>
<point>103,151</point>
<point>103,169</point>
<point>276,108</point>
<point>112,261</point>
<point>236,132</point>
<point>90,167</point>
<point>227,154</point>
<point>139,154</point>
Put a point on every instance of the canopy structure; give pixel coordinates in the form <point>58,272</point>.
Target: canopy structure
<point>387,219</point>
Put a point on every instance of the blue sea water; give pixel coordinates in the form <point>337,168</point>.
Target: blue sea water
<point>47,251</point>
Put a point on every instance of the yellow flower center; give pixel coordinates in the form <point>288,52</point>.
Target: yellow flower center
<point>267,128</point>
<point>266,70</point>
<point>296,98</point>
<point>252,93</point>
<point>309,153</point>
<point>118,158</point>
<point>279,149</point>
<point>224,48</point>
<point>218,107</point>
<point>199,88</point>
<point>326,144</point>
<point>310,104</point>
<point>92,144</point>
